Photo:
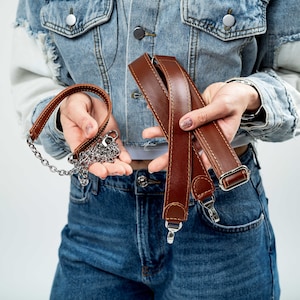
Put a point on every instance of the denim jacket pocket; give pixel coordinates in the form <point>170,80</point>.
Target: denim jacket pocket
<point>80,36</point>
<point>73,18</point>
<point>228,20</point>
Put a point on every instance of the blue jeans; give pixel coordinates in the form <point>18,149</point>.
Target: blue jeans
<point>114,246</point>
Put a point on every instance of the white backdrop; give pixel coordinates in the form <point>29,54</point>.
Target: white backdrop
<point>34,201</point>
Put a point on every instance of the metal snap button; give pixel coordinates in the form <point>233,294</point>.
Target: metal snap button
<point>142,181</point>
<point>71,20</point>
<point>228,21</point>
<point>139,32</point>
<point>136,95</point>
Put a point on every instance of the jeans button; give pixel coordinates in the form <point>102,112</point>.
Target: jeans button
<point>142,181</point>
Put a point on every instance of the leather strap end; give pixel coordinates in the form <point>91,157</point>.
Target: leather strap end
<point>202,187</point>
<point>175,212</point>
<point>33,135</point>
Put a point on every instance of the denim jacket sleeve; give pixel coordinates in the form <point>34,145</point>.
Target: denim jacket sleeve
<point>278,120</point>
<point>278,79</point>
<point>33,87</point>
<point>277,76</point>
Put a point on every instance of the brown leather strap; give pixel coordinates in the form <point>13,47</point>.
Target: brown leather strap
<point>221,155</point>
<point>41,121</point>
<point>155,78</point>
<point>156,94</point>
<point>179,170</point>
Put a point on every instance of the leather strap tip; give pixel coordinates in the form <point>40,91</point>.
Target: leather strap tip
<point>202,188</point>
<point>175,212</point>
<point>33,136</point>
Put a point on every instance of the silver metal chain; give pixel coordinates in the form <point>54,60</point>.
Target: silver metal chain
<point>46,163</point>
<point>104,150</point>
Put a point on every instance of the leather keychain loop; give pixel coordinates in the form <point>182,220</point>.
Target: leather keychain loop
<point>41,121</point>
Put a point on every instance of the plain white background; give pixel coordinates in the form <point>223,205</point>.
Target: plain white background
<point>34,201</point>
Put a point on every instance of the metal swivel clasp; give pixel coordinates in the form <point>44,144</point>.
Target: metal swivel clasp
<point>173,228</point>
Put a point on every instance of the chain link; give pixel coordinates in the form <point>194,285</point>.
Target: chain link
<point>46,163</point>
<point>104,150</point>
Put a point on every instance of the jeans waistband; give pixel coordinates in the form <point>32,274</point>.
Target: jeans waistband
<point>141,181</point>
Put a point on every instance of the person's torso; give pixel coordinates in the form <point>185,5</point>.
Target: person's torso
<point>95,40</point>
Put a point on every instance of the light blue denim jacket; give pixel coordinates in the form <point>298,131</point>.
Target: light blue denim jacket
<point>214,40</point>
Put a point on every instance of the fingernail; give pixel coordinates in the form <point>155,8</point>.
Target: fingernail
<point>88,129</point>
<point>186,123</point>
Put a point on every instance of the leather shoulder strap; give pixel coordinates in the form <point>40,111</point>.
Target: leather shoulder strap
<point>159,79</point>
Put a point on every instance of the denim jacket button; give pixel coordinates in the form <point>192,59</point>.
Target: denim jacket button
<point>139,32</point>
<point>70,20</point>
<point>228,21</point>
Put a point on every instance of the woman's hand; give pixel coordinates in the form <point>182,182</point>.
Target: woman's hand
<point>226,103</point>
<point>80,116</point>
